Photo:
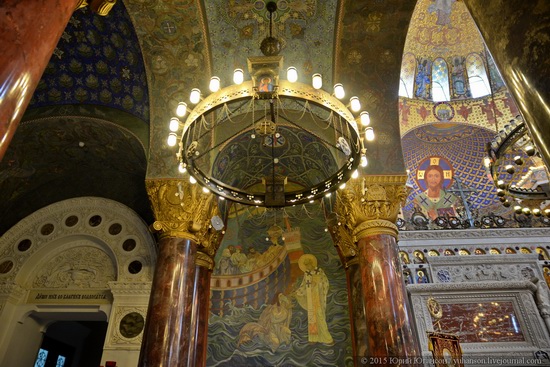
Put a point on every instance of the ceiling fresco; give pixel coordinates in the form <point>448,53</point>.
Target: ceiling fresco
<point>245,162</point>
<point>304,28</point>
<point>132,67</point>
<point>176,55</point>
<point>490,113</point>
<point>452,134</point>
<point>370,39</point>
<point>442,29</point>
<point>97,61</point>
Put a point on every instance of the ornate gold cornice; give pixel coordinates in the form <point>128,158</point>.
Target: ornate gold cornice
<point>183,210</point>
<point>209,242</point>
<point>369,205</point>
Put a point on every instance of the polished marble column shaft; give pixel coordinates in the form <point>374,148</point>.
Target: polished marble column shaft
<point>363,230</point>
<point>199,319</point>
<point>29,32</point>
<point>516,34</point>
<point>170,316</point>
<point>390,326</point>
<point>176,328</point>
<point>359,334</point>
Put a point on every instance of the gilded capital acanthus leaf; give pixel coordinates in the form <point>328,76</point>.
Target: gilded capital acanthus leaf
<point>100,7</point>
<point>374,199</point>
<point>183,210</point>
<point>344,241</point>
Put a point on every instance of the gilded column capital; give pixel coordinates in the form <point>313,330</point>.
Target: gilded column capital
<point>183,210</point>
<point>209,241</point>
<point>369,205</point>
<point>180,208</point>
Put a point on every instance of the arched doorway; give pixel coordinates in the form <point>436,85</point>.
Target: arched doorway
<point>71,339</point>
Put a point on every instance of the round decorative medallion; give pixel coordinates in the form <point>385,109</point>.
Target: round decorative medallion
<point>443,276</point>
<point>131,325</point>
<point>443,111</point>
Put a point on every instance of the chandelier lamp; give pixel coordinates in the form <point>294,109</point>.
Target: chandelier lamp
<point>518,172</point>
<point>269,141</point>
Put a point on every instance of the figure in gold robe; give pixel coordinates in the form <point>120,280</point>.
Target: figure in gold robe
<point>312,297</point>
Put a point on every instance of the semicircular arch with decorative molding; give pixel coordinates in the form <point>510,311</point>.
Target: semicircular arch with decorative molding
<point>77,243</point>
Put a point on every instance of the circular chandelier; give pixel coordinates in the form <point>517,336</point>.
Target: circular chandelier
<point>268,141</point>
<point>519,173</point>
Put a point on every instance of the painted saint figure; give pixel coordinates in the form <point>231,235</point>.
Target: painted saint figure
<point>273,327</point>
<point>458,79</point>
<point>435,201</point>
<point>421,278</point>
<point>265,84</point>
<point>312,297</point>
<point>443,10</point>
<point>423,79</point>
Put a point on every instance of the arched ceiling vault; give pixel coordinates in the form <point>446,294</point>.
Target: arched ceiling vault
<point>131,68</point>
<point>120,78</point>
<point>181,44</point>
<point>359,42</point>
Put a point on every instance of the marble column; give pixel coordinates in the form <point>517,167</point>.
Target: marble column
<point>176,327</point>
<point>201,309</point>
<point>347,250</point>
<point>516,34</point>
<point>384,332</point>
<point>29,32</point>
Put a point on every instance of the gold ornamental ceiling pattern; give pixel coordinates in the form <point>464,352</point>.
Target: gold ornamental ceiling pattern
<point>442,28</point>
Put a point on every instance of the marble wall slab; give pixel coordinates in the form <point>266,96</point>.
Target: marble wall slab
<point>476,312</point>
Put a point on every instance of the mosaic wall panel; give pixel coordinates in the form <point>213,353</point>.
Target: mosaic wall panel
<point>97,61</point>
<point>459,151</point>
<point>489,113</point>
<point>259,317</point>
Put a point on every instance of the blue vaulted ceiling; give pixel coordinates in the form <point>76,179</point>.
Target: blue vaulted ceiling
<point>97,61</point>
